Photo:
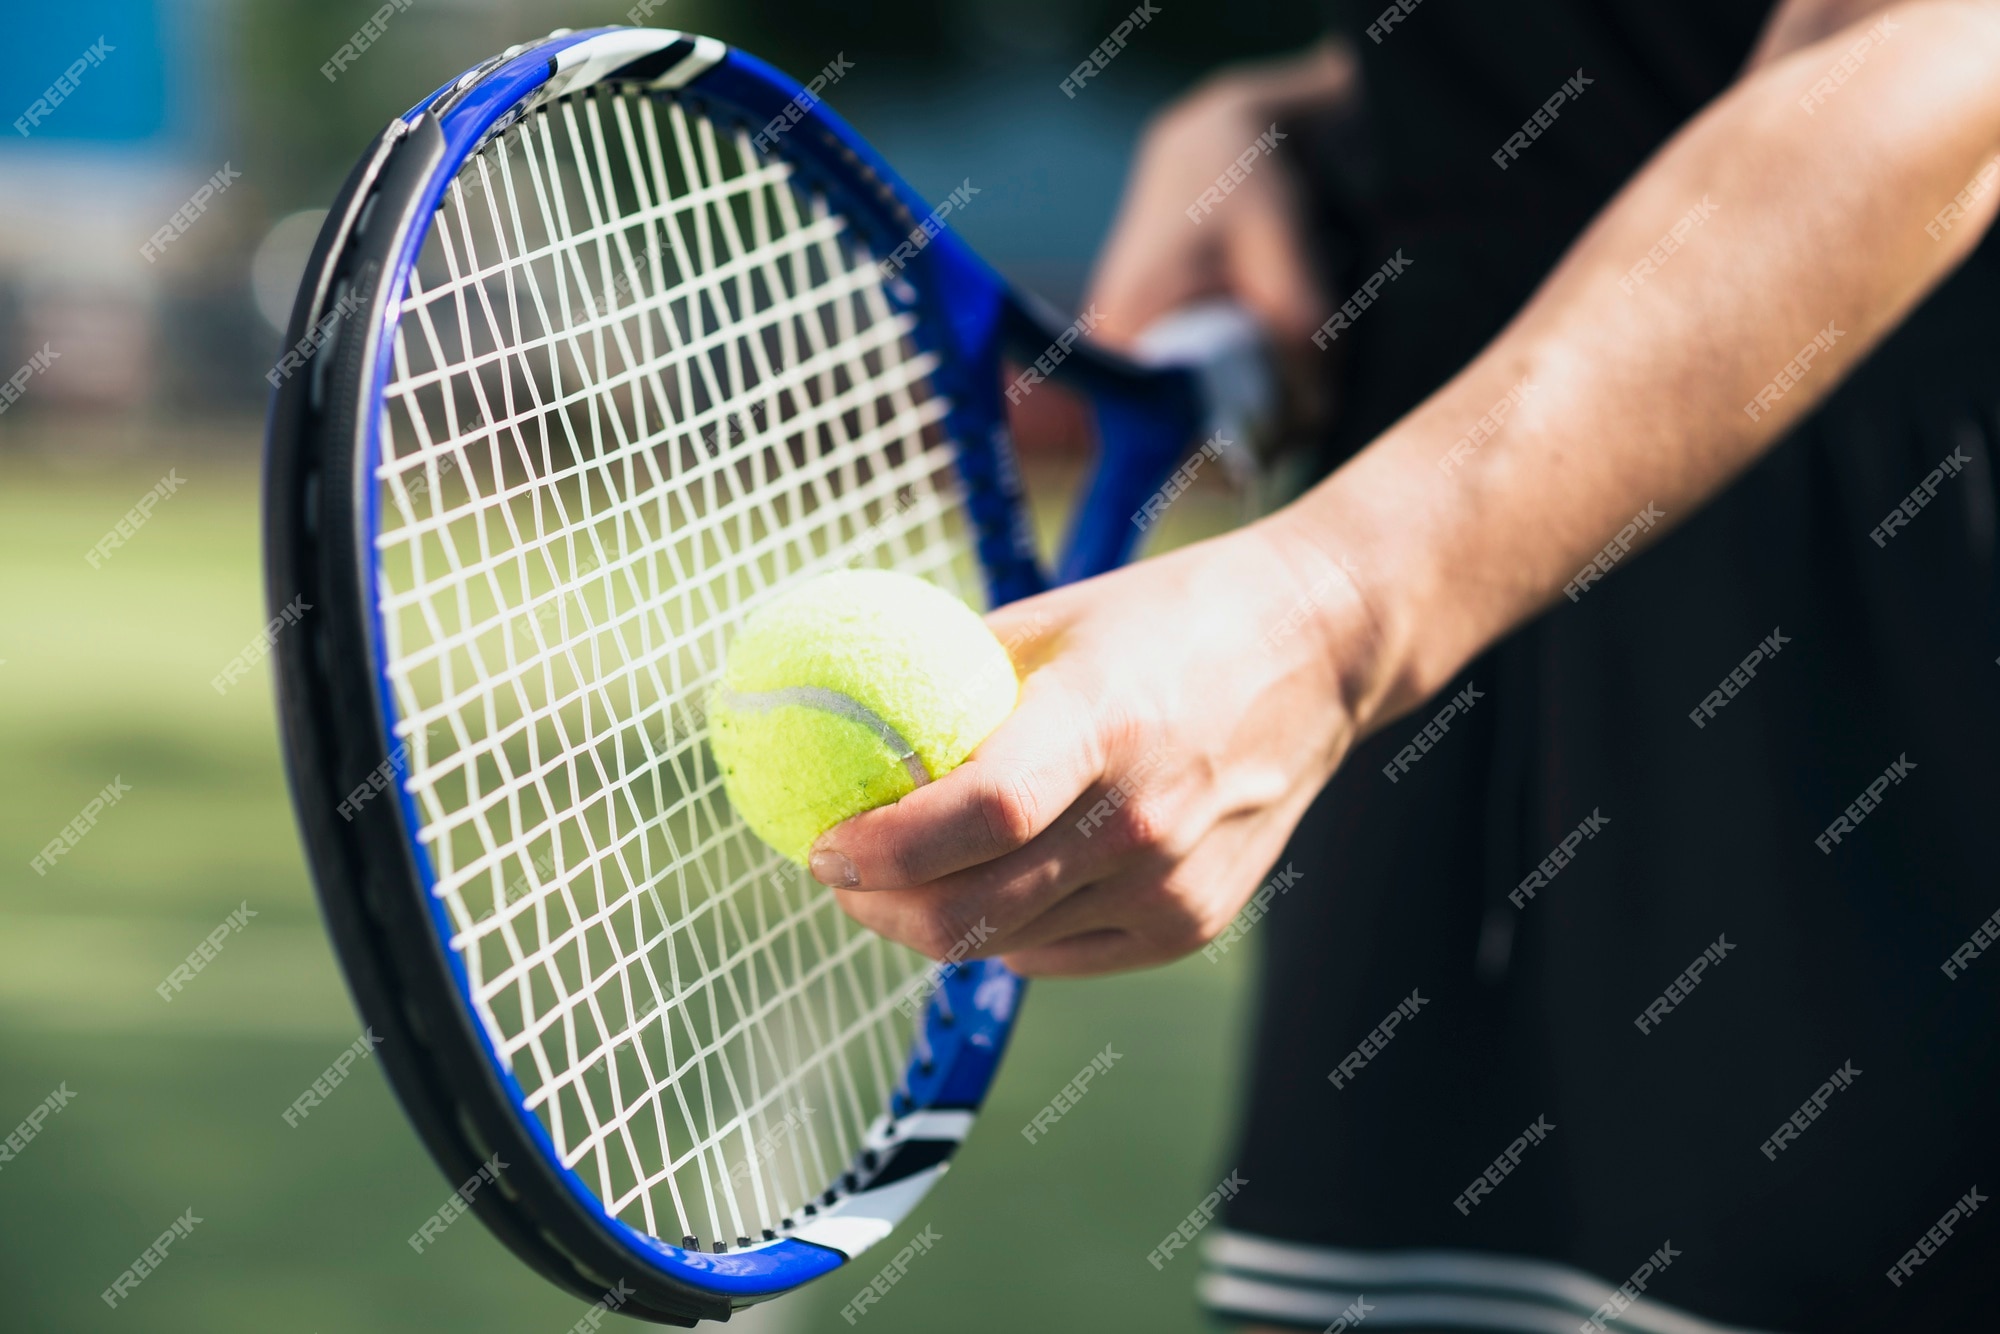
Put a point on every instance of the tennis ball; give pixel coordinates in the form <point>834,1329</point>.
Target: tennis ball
<point>848,693</point>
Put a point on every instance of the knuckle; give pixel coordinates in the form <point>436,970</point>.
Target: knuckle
<point>935,931</point>
<point>1224,95</point>
<point>1173,917</point>
<point>1166,126</point>
<point>1194,120</point>
<point>1010,806</point>
<point>1141,826</point>
<point>906,862</point>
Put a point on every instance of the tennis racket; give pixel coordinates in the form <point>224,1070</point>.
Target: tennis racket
<point>606,343</point>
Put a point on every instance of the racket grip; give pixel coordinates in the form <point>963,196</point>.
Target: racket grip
<point>1227,351</point>
<point>1211,380</point>
<point>1143,433</point>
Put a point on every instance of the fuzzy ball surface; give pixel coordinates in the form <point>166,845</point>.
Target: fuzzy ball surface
<point>848,693</point>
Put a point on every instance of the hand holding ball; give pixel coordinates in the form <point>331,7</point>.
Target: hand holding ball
<point>848,693</point>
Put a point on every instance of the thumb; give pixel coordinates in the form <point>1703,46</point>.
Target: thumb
<point>1267,264</point>
<point>1042,757</point>
<point>1030,630</point>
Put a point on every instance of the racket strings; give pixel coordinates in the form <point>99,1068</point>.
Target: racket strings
<point>640,384</point>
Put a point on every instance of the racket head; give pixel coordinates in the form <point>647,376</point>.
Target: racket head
<point>375,790</point>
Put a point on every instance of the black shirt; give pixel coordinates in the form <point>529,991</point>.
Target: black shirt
<point>1711,794</point>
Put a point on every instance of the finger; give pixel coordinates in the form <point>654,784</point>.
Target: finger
<point>1050,889</point>
<point>1156,260</point>
<point>1325,73</point>
<point>1273,273</point>
<point>1030,630</point>
<point>1130,897</point>
<point>1019,780</point>
<point>1107,928</point>
<point>1146,273</point>
<point>1088,954</point>
<point>973,914</point>
<point>1266,263</point>
<point>1159,905</point>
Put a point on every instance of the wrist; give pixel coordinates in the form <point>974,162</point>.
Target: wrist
<point>1391,637</point>
<point>1332,616</point>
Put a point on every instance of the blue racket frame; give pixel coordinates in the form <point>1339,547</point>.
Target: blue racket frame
<point>966,314</point>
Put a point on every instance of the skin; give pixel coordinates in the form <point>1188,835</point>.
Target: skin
<point>1350,608</point>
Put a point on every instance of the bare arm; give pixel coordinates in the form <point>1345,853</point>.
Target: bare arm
<point>1800,23</point>
<point>1178,716</point>
<point>1658,388</point>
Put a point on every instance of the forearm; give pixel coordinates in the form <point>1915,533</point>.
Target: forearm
<point>1627,393</point>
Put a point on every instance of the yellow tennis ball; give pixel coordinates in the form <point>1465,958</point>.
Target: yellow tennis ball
<point>848,693</point>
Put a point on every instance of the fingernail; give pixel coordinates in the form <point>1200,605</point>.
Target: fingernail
<point>833,868</point>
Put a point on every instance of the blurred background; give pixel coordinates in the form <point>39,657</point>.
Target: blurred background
<point>144,353</point>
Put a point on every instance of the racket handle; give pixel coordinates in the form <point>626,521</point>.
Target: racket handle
<point>1143,431</point>
<point>1210,378</point>
<point>1225,348</point>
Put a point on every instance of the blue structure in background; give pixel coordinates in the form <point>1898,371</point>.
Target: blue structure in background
<point>1049,173</point>
<point>146,90</point>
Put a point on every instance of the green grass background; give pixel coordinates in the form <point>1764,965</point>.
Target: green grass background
<point>106,673</point>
